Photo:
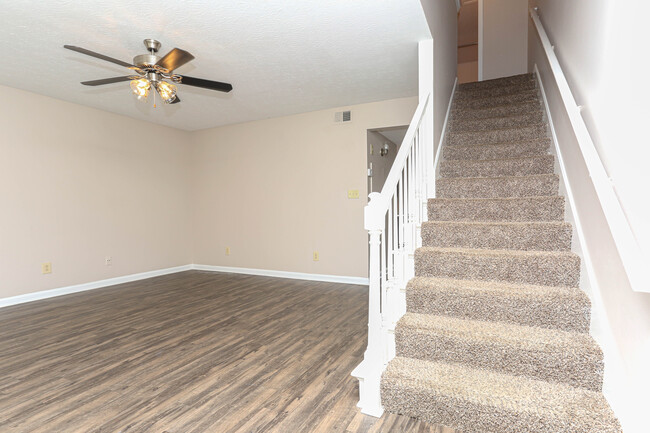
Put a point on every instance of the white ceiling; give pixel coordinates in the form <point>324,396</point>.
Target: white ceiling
<point>282,57</point>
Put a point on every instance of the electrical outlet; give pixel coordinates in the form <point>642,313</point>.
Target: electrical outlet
<point>316,256</point>
<point>46,268</point>
<point>353,193</point>
<point>227,251</point>
<point>108,260</point>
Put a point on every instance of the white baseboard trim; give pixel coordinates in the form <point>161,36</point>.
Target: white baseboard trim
<point>615,377</point>
<point>284,274</point>
<point>29,297</point>
<point>44,294</point>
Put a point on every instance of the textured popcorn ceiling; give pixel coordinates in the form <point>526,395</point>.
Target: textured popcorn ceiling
<point>282,57</point>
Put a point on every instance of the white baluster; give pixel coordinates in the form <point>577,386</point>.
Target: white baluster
<point>393,219</point>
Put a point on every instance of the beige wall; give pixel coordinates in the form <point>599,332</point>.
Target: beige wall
<point>621,317</point>
<point>79,184</point>
<point>275,190</point>
<point>504,38</point>
<point>442,19</point>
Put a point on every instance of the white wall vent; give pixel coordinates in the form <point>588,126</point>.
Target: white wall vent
<point>342,116</point>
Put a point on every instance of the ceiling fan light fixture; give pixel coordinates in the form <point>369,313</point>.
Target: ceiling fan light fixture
<point>141,88</point>
<point>167,91</point>
<point>152,71</point>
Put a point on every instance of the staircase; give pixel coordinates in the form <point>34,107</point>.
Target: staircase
<point>496,332</point>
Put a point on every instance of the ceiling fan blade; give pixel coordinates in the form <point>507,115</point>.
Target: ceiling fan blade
<point>175,59</point>
<point>206,84</point>
<point>97,55</point>
<point>176,100</point>
<point>106,81</point>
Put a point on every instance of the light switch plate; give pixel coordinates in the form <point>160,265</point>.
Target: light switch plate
<point>353,193</point>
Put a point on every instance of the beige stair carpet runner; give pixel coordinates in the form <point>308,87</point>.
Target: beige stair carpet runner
<point>496,334</point>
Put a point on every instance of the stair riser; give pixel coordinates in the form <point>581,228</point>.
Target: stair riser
<point>581,370</point>
<point>505,110</point>
<point>530,119</point>
<point>514,81</point>
<point>530,237</point>
<point>524,209</point>
<point>515,98</point>
<point>528,133</point>
<point>473,417</point>
<point>496,151</point>
<point>531,186</point>
<point>558,312</point>
<point>498,168</point>
<point>540,270</point>
<point>464,94</point>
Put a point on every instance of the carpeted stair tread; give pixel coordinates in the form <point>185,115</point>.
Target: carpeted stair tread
<point>536,235</point>
<point>496,151</point>
<point>513,81</point>
<point>530,165</point>
<point>525,95</point>
<point>504,109</point>
<point>499,122</point>
<point>545,268</point>
<point>462,94</point>
<point>498,187</point>
<point>495,136</point>
<point>552,355</point>
<point>563,308</point>
<point>550,208</point>
<point>496,332</point>
<point>484,401</point>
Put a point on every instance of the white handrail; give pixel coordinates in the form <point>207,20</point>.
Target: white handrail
<point>393,219</point>
<point>626,243</point>
<point>379,201</point>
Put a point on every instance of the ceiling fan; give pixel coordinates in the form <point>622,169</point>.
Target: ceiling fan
<point>154,72</point>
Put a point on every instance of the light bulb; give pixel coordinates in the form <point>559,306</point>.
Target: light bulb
<point>167,91</point>
<point>141,88</point>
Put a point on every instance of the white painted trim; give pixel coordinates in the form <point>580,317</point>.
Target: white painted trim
<point>284,274</point>
<point>614,374</point>
<point>29,297</point>
<point>480,40</point>
<point>436,162</point>
<point>627,246</point>
<point>457,5</point>
<point>45,294</point>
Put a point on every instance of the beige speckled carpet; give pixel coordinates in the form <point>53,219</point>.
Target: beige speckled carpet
<point>496,334</point>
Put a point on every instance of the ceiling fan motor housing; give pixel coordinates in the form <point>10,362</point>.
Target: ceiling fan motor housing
<point>145,60</point>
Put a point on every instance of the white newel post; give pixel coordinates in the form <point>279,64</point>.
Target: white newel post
<point>369,371</point>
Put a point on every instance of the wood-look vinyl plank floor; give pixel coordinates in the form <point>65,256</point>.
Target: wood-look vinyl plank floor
<point>191,352</point>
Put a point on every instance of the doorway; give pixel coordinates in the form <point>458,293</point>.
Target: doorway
<point>468,41</point>
<point>383,144</point>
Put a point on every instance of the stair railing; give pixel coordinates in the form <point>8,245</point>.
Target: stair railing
<point>393,219</point>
